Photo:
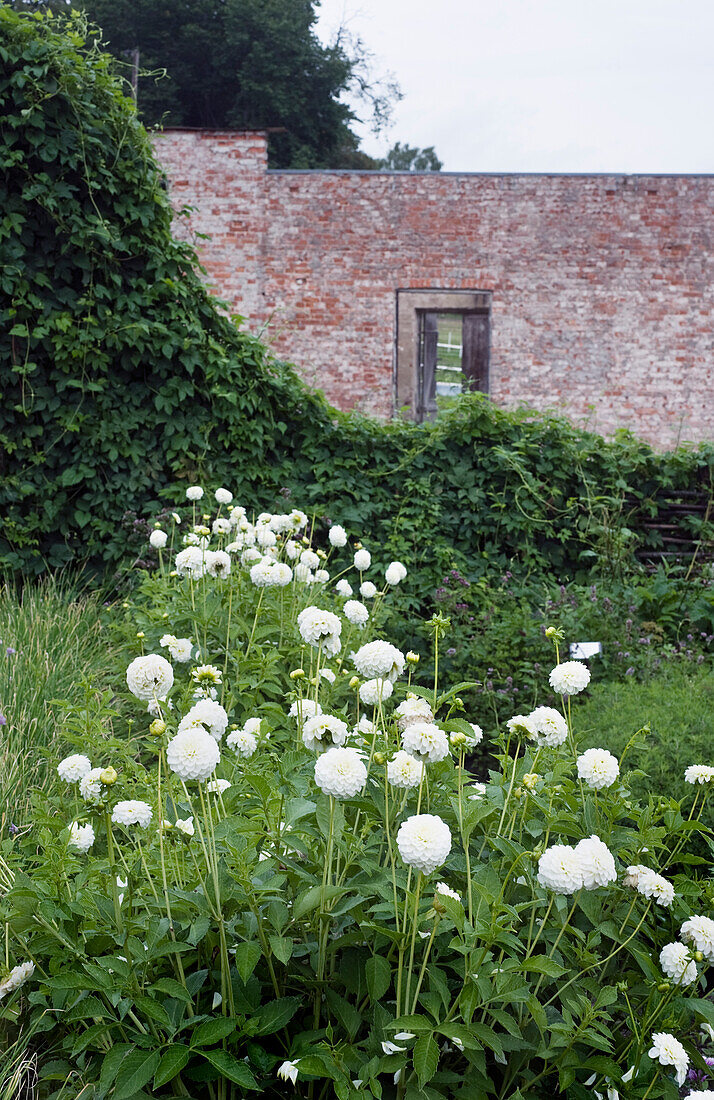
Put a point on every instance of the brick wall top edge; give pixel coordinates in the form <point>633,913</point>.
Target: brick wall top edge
<point>493,175</point>
<point>260,134</point>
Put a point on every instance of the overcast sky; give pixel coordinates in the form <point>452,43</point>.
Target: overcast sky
<point>544,85</point>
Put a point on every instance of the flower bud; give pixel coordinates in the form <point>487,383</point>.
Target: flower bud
<point>140,634</point>
<point>321,554</point>
<point>459,704</point>
<point>125,604</point>
<point>354,682</point>
<point>108,777</point>
<point>297,674</point>
<point>518,793</point>
<point>530,780</point>
<point>699,956</point>
<point>157,727</point>
<point>379,758</point>
<point>412,657</point>
<point>458,738</point>
<point>663,987</point>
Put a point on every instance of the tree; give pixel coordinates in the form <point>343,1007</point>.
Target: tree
<point>244,64</point>
<point>409,158</point>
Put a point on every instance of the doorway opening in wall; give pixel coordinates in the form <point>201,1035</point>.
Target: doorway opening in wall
<point>442,348</point>
<point>452,358</point>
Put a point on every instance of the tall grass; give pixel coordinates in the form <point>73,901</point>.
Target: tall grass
<point>50,637</point>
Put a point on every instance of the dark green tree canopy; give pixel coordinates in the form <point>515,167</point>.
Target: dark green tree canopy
<point>409,158</point>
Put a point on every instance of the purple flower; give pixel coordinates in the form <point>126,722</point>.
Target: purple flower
<point>629,671</point>
<point>450,651</point>
<point>9,651</point>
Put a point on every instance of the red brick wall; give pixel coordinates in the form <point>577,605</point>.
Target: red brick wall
<point>602,286</point>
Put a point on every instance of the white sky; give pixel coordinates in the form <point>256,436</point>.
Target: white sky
<point>544,85</point>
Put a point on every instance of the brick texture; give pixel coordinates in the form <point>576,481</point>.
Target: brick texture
<point>602,286</point>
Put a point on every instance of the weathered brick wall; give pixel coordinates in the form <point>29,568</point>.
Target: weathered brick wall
<point>602,286</point>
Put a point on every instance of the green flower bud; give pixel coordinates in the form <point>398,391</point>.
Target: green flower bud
<point>108,777</point>
<point>157,727</point>
<point>297,674</point>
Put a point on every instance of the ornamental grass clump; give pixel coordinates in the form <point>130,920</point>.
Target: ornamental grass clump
<point>273,872</point>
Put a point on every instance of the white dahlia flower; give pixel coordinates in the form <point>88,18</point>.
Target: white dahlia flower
<point>133,812</point>
<point>185,825</point>
<point>243,741</point>
<point>520,724</point>
<point>404,771</point>
<point>149,677</point>
<point>218,786</point>
<point>337,535</point>
<point>328,674</point>
<point>355,612</point>
<point>597,863</point>
<point>224,496</point>
<point>303,574</point>
<point>158,539</point>
<point>310,559</point>
<point>424,842</point>
<point>292,550</point>
<point>90,787</point>
<point>340,772</point>
<point>221,526</point>
<point>598,767</point>
<point>321,576</point>
<point>367,590</point>
<point>654,886</point>
<point>320,627</point>
<point>395,572</point>
<point>677,963</point>
<point>466,741</point>
<point>371,691</point>
<point>261,574</point>
<point>700,932</point>
<point>362,560</point>
<point>413,709</point>
<point>73,768</point>
<point>250,556</point>
<point>180,649</point>
<point>699,773</point>
<point>302,709</point>
<point>282,574</point>
<point>81,837</point>
<point>478,792</point>
<point>560,869</point>
<point>194,492</point>
<point>17,977</point>
<point>193,754</point>
<point>378,661</point>
<point>218,563</point>
<point>425,741</point>
<point>668,1051</point>
<point>190,563</point>
<point>569,678</point>
<point>208,713</point>
<point>298,519</point>
<point>343,588</point>
<point>324,730</point>
<point>265,536</point>
<point>442,888</point>
<point>549,726</point>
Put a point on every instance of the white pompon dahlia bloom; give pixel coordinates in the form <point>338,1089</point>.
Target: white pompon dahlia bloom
<point>395,572</point>
<point>282,574</point>
<point>194,492</point>
<point>367,590</point>
<point>599,768</point>
<point>700,932</point>
<point>180,649</point>
<point>404,771</point>
<point>668,1051</point>
<point>149,677</point>
<point>560,869</point>
<point>318,627</point>
<point>442,888</point>
<point>133,812</point>
<point>340,772</point>
<point>355,612</point>
<point>413,709</point>
<point>224,496</point>
<point>193,754</point>
<point>218,786</point>
<point>73,768</point>
<point>371,691</point>
<point>425,741</point>
<point>344,588</point>
<point>218,563</point>
<point>208,713</point>
<point>597,863</point>
<point>190,562</point>
<point>677,963</point>
<point>570,678</point>
<point>185,825</point>
<point>17,977</point>
<point>549,727</point>
<point>378,661</point>
<point>81,837</point>
<point>424,842</point>
<point>698,773</point>
<point>221,526</point>
<point>321,576</point>
<point>90,787</point>
<point>243,742</point>
<point>310,559</point>
<point>337,535</point>
<point>302,709</point>
<point>651,885</point>
<point>158,539</point>
<point>261,574</point>
<point>362,560</point>
<point>323,731</point>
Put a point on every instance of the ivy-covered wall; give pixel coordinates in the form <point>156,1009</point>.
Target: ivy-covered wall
<point>122,382</point>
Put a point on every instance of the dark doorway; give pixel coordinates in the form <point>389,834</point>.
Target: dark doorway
<point>453,357</point>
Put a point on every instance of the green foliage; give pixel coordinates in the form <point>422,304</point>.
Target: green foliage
<point>409,158</point>
<point>50,636</point>
<point>287,926</point>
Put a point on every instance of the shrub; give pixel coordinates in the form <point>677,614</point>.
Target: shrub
<point>237,895</point>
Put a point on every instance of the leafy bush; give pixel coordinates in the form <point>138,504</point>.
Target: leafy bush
<point>213,910</point>
<point>122,381</point>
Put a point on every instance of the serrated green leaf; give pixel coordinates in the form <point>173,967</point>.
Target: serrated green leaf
<point>426,1058</point>
<point>229,1066</point>
<point>172,1062</point>
<point>212,1031</point>
<point>273,1016</point>
<point>378,974</point>
<point>246,958</point>
<point>136,1069</point>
